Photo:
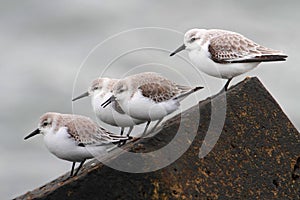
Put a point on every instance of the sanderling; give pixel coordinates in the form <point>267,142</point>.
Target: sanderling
<point>149,96</point>
<point>74,137</point>
<point>225,54</point>
<point>100,90</point>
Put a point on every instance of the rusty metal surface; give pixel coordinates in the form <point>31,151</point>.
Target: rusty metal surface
<point>256,156</point>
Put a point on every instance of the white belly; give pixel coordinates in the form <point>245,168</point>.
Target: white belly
<point>110,116</point>
<point>61,145</point>
<point>226,71</point>
<point>142,108</point>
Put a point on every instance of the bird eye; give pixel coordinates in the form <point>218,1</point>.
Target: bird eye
<point>45,123</point>
<point>120,89</point>
<point>193,39</point>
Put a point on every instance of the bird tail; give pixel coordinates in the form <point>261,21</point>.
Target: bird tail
<point>262,58</point>
<point>269,58</point>
<point>108,137</point>
<point>118,138</point>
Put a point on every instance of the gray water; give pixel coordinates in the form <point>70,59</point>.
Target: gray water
<point>44,43</point>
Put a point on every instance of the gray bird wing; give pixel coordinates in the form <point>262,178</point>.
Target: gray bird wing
<point>235,48</point>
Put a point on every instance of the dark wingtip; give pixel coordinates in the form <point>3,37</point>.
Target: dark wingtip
<point>284,57</point>
<point>172,54</point>
<point>263,58</point>
<point>198,88</point>
<point>81,144</point>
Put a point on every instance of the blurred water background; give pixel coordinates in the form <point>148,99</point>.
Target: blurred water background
<point>43,44</point>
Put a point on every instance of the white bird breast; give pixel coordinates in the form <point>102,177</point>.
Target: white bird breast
<point>64,147</point>
<point>109,115</point>
<point>144,108</point>
<point>229,70</point>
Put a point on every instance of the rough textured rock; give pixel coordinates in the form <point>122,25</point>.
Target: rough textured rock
<point>256,156</point>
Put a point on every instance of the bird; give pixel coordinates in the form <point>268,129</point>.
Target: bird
<point>74,138</point>
<point>149,96</point>
<point>225,54</point>
<point>100,90</point>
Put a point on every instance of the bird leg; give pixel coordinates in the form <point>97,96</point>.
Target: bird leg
<point>79,167</point>
<point>227,84</point>
<point>72,170</point>
<point>122,131</point>
<point>155,126</point>
<point>123,142</point>
<point>147,125</point>
<point>130,129</point>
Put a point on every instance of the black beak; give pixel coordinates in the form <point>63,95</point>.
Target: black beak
<point>182,47</point>
<point>108,101</point>
<point>81,96</point>
<point>33,133</point>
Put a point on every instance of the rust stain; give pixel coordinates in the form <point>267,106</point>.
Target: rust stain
<point>243,114</point>
<point>269,151</point>
<point>278,157</point>
<point>177,191</point>
<point>155,195</point>
<point>69,193</point>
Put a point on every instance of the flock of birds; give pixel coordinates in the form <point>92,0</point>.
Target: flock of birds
<point>146,97</point>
